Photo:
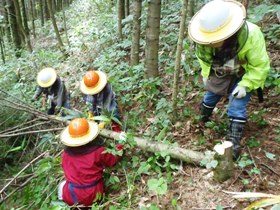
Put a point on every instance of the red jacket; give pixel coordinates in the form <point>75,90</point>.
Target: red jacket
<point>84,167</point>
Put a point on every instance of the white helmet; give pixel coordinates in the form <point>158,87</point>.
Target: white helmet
<point>46,77</point>
<point>217,21</point>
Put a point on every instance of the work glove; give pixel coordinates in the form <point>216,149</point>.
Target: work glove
<point>90,114</point>
<point>34,98</point>
<point>50,99</point>
<point>204,80</point>
<point>122,138</point>
<point>239,92</point>
<point>101,125</point>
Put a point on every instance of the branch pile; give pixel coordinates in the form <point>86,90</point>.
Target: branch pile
<point>7,100</point>
<point>35,124</point>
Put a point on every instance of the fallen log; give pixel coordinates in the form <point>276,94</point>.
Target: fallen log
<point>185,155</point>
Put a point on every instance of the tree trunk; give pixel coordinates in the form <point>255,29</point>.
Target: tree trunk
<point>246,4</point>
<point>152,39</point>
<point>191,8</point>
<point>65,27</point>
<point>135,47</point>
<point>20,26</point>
<point>185,155</point>
<point>54,8</point>
<point>178,58</point>
<point>2,49</point>
<point>59,5</point>
<point>6,21</point>
<point>32,8</point>
<point>127,8</point>
<point>24,18</point>
<point>46,10</point>
<point>41,12</point>
<point>14,27</point>
<point>225,168</point>
<point>60,44</point>
<point>120,18</point>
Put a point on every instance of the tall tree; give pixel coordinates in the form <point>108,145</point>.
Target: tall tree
<point>51,12</point>
<point>46,10</point>
<point>135,47</point>
<point>32,10</point>
<point>121,16</point>
<point>152,38</point>
<point>24,17</point>
<point>20,25</point>
<point>127,8</point>
<point>2,48</point>
<point>191,8</point>
<point>65,26</point>
<point>6,21</point>
<point>178,58</point>
<point>14,27</point>
<point>42,11</point>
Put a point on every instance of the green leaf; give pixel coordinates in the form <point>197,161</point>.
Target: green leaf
<point>219,207</point>
<point>116,179</point>
<point>161,135</point>
<point>174,202</point>
<point>276,207</point>
<point>270,156</point>
<point>212,164</point>
<point>102,118</point>
<point>264,203</point>
<point>159,186</point>
<point>154,207</point>
<point>144,168</point>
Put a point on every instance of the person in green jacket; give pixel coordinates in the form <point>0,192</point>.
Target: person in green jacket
<point>232,54</point>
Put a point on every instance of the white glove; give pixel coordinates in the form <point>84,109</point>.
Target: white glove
<point>50,99</point>
<point>239,92</point>
<point>122,137</point>
<point>204,80</point>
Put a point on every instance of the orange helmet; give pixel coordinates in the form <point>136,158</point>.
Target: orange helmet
<point>78,127</point>
<point>91,78</point>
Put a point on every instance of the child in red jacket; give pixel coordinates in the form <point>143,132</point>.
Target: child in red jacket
<point>83,161</point>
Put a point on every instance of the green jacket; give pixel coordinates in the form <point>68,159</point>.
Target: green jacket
<point>254,53</point>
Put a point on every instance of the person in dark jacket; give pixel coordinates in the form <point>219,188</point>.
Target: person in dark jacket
<point>83,162</point>
<point>99,93</point>
<point>53,88</point>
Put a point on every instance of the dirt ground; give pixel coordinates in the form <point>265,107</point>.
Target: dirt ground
<point>193,186</point>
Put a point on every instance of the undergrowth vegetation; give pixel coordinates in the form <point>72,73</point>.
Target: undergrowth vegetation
<point>145,103</point>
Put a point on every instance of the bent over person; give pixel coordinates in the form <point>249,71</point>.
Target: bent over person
<point>232,54</point>
<point>83,162</point>
<point>53,88</point>
<point>99,93</point>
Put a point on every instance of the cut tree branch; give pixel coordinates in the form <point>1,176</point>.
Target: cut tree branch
<point>25,167</point>
<point>185,155</point>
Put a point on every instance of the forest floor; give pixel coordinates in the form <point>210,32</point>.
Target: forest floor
<point>193,186</point>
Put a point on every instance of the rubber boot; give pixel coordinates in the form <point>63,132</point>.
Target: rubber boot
<point>205,112</point>
<point>51,111</point>
<point>235,134</point>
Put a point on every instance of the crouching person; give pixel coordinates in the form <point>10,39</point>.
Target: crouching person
<point>53,88</point>
<point>99,93</point>
<point>83,161</point>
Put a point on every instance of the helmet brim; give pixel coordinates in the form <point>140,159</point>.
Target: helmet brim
<point>103,79</point>
<point>50,82</point>
<point>233,25</point>
<point>70,141</point>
